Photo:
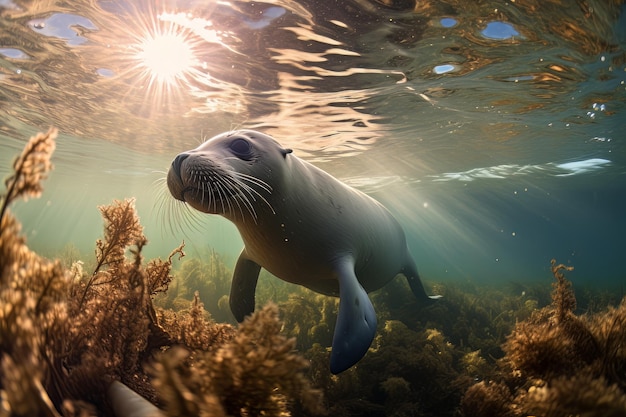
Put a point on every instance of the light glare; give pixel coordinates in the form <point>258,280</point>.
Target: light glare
<point>166,56</point>
<point>164,60</point>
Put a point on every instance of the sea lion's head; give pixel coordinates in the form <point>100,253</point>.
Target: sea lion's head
<point>232,174</point>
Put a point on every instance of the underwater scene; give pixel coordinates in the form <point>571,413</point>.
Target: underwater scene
<point>158,156</point>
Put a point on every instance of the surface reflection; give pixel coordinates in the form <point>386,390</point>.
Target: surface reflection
<point>323,76</point>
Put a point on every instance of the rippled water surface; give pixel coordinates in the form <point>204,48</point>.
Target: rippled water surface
<point>494,130</point>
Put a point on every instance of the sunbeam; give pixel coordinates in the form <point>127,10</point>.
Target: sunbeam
<point>164,59</point>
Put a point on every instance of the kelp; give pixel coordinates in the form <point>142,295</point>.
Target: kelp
<point>30,168</point>
<point>558,363</point>
<point>31,289</point>
<point>63,335</point>
<point>478,352</point>
<point>66,334</point>
<point>255,373</point>
<point>194,328</point>
<point>422,359</point>
<point>554,340</point>
<point>207,278</point>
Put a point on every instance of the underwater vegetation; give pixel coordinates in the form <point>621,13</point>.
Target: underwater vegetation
<point>69,335</point>
<point>255,373</point>
<point>558,363</point>
<point>209,280</point>
<point>461,356</point>
<point>66,333</point>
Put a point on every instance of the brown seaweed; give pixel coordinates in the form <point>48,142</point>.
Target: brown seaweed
<point>255,373</point>
<point>30,168</point>
<point>31,287</point>
<point>558,363</point>
<point>65,335</point>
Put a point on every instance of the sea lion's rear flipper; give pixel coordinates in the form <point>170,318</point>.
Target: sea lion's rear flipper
<point>243,287</point>
<point>410,272</point>
<point>356,322</point>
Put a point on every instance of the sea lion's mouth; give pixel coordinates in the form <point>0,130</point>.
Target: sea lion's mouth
<point>184,191</point>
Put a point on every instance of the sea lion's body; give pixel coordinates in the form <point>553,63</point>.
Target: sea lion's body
<point>302,225</point>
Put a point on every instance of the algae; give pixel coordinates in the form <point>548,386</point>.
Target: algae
<point>66,334</point>
<point>209,278</point>
<point>67,330</point>
<point>558,363</point>
<point>477,352</point>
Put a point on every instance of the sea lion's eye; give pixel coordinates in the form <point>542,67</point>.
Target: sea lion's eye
<point>241,148</point>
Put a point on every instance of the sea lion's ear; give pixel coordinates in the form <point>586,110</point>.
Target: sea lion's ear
<point>285,151</point>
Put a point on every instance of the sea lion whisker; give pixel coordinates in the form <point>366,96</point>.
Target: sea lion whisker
<point>248,203</point>
<point>233,195</point>
<point>177,215</point>
<point>246,189</point>
<point>207,185</point>
<point>163,208</point>
<point>183,217</point>
<point>212,198</point>
<point>194,180</point>
<point>227,192</point>
<point>245,178</point>
<point>194,176</point>
<point>238,204</point>
<point>249,178</point>
<point>204,191</point>
<point>214,192</point>
<point>239,201</point>
<point>238,195</point>
<point>161,182</point>
<point>240,179</point>
<point>252,192</point>
<point>230,158</point>
<point>220,188</point>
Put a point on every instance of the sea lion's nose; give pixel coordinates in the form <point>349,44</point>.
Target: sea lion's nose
<point>177,162</point>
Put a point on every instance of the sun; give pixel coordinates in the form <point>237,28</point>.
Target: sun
<point>166,57</point>
<point>165,54</point>
<point>163,59</point>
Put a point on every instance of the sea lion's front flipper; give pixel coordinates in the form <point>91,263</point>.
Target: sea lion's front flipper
<point>356,322</point>
<point>243,287</point>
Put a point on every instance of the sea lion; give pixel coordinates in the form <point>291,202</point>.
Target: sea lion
<point>302,225</point>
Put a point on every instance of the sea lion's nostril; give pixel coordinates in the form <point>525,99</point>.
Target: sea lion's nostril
<point>177,162</point>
